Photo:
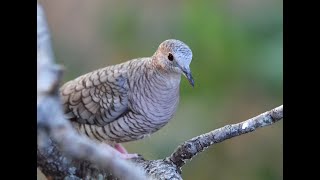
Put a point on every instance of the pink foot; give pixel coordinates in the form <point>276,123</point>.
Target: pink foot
<point>124,153</point>
<point>120,148</point>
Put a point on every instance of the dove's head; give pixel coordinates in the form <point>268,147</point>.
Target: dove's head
<point>175,56</point>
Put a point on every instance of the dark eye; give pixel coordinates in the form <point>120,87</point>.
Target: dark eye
<point>170,57</point>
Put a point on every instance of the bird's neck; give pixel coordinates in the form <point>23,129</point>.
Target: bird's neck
<point>164,76</point>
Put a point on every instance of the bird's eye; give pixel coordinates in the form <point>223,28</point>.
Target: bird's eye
<point>170,57</point>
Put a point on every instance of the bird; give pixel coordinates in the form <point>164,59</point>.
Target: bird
<point>128,101</point>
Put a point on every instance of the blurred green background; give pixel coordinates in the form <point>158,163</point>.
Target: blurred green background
<point>237,66</point>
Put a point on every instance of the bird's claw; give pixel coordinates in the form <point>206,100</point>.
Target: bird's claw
<point>124,153</point>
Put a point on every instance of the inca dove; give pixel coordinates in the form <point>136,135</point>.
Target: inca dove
<point>128,101</point>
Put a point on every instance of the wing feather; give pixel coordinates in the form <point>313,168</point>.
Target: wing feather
<point>98,97</point>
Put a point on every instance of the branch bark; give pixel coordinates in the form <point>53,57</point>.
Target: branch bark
<point>63,154</point>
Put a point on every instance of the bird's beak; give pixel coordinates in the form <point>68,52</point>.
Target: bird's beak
<point>188,75</point>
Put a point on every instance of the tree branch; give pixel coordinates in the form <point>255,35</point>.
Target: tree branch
<point>64,154</point>
<point>192,147</point>
<point>51,122</point>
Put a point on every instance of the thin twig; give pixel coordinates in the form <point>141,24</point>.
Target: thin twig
<point>192,147</point>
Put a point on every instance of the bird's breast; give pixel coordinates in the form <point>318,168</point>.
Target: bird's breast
<point>157,102</point>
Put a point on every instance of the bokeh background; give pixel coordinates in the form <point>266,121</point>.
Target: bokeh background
<point>237,66</point>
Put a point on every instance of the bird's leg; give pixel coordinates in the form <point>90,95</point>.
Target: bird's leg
<point>120,148</point>
<point>124,152</point>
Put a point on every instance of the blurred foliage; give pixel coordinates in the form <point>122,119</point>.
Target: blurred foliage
<point>237,66</point>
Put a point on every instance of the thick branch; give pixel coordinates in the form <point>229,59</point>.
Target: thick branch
<point>192,147</point>
<point>51,122</point>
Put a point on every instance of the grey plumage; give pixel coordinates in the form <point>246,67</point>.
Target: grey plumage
<point>128,101</point>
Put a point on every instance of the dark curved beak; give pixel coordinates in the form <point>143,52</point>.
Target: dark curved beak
<point>188,74</point>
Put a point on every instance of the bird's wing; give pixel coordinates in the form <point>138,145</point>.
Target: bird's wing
<point>99,97</point>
